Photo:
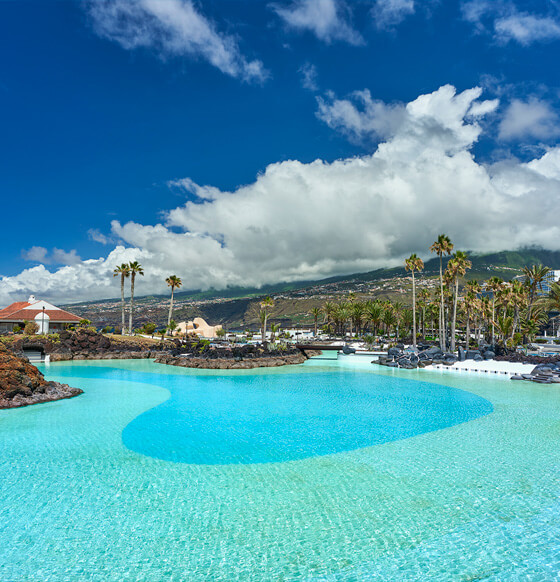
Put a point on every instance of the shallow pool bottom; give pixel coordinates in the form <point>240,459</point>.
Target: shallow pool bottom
<point>474,499</point>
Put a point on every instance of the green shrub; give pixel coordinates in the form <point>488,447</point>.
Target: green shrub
<point>31,328</point>
<point>84,322</point>
<point>16,329</point>
<point>540,341</point>
<point>149,328</point>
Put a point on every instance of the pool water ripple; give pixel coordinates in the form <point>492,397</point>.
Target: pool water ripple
<point>477,499</point>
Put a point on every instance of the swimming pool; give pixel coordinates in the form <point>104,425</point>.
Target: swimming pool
<point>327,471</point>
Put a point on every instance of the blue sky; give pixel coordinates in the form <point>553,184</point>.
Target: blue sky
<point>116,111</point>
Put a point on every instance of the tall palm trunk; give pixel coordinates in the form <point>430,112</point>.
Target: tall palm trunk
<point>493,318</point>
<point>442,307</point>
<point>132,277</point>
<point>454,321</point>
<point>468,329</point>
<point>170,307</point>
<point>263,331</point>
<point>123,329</point>
<point>515,320</point>
<point>413,310</point>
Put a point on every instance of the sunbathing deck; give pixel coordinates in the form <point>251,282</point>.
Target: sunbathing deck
<point>485,367</point>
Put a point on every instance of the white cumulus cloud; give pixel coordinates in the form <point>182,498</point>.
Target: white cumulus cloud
<point>533,118</point>
<point>328,20</point>
<point>172,28</point>
<point>56,257</point>
<point>301,221</point>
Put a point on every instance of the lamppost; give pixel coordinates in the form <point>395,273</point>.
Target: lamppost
<point>43,324</point>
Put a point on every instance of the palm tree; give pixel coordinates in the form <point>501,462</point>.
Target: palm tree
<point>175,283</point>
<point>124,271</point>
<point>504,325</point>
<point>374,313</point>
<point>552,300</point>
<point>274,329</point>
<point>458,265</point>
<point>441,246</point>
<point>518,300</point>
<point>135,269</point>
<point>413,263</point>
<point>494,284</point>
<point>316,311</point>
<point>266,304</point>
<point>534,278</point>
<point>329,309</point>
<point>423,304</point>
<point>341,316</point>
<point>357,311</point>
<point>473,288</point>
<point>389,319</point>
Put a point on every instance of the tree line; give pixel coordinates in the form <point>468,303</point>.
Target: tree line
<point>496,311</point>
<point>131,270</point>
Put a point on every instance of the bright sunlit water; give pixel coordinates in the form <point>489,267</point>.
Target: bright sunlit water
<point>331,471</point>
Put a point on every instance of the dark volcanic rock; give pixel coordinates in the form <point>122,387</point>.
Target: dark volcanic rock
<point>22,384</point>
<point>87,344</point>
<point>233,363</point>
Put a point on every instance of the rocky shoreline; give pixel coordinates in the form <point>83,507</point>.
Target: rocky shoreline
<point>21,384</point>
<point>86,344</point>
<point>233,358</point>
<point>422,356</point>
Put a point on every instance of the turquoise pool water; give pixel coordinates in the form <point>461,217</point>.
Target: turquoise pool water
<point>332,471</point>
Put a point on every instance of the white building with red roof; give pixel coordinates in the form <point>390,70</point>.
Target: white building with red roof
<point>48,317</point>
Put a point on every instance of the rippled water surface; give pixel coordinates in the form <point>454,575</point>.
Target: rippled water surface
<point>328,471</point>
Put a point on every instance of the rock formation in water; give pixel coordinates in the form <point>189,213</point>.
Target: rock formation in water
<point>232,358</point>
<point>22,384</point>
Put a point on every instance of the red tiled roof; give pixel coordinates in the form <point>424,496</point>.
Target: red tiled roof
<point>13,308</point>
<point>29,314</point>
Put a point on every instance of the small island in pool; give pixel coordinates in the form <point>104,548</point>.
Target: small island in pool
<point>21,383</point>
<point>200,355</point>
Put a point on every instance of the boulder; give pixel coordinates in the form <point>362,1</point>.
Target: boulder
<point>489,355</point>
<point>478,358</point>
<point>470,354</point>
<point>462,354</point>
<point>21,383</point>
<point>393,352</point>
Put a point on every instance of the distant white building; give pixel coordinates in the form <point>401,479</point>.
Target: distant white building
<point>551,277</point>
<point>47,316</point>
